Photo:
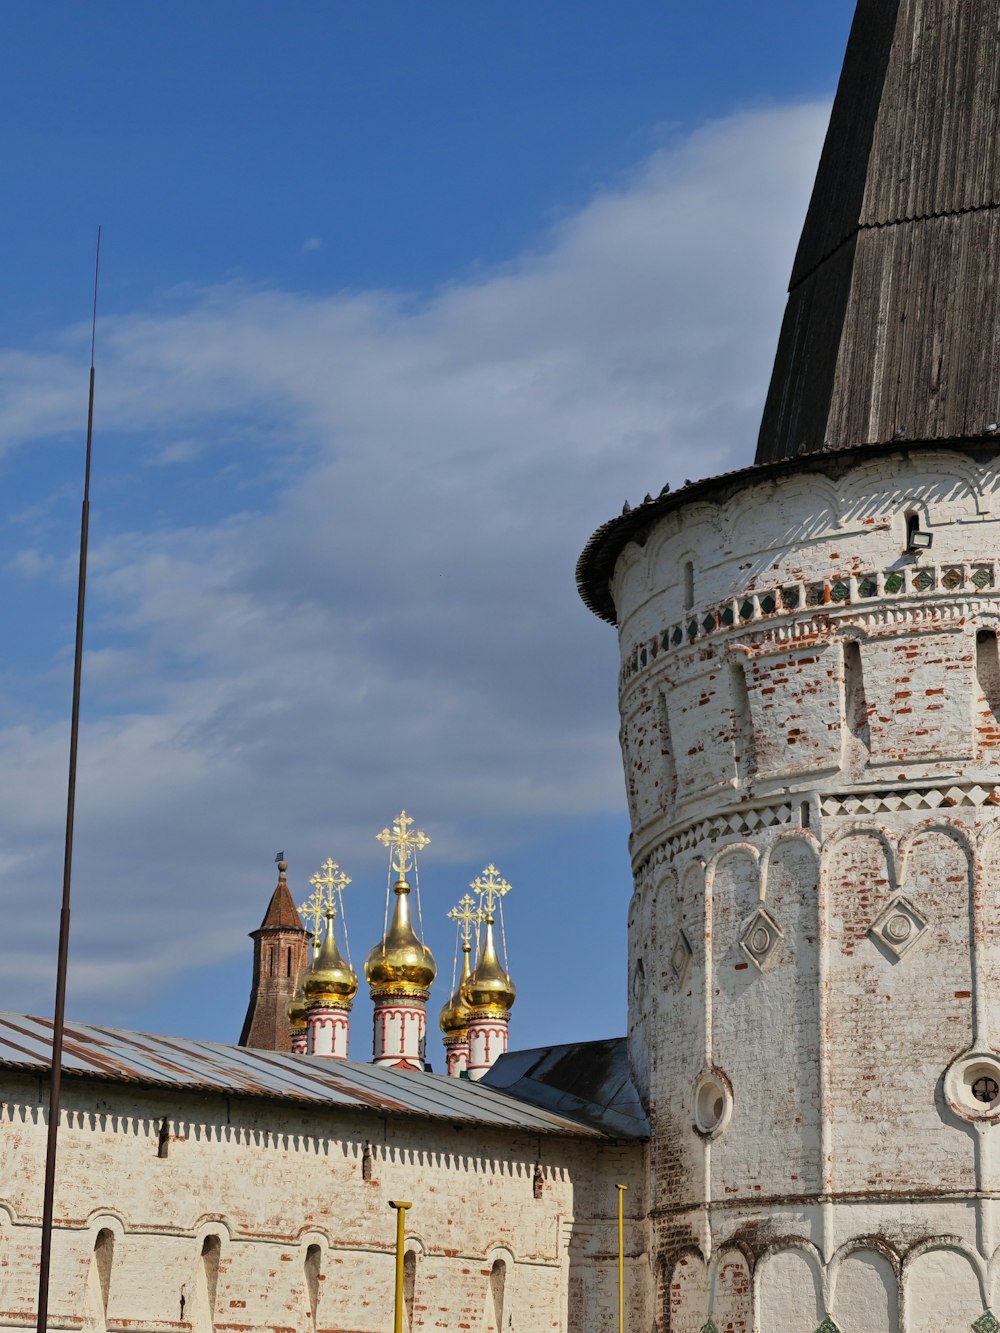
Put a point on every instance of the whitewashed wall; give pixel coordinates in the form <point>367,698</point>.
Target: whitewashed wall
<point>264,1183</point>
<point>811,737</point>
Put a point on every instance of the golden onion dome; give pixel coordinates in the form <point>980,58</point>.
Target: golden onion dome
<point>489,988</point>
<point>400,964</point>
<point>298,1009</point>
<point>329,980</point>
<point>454,1020</point>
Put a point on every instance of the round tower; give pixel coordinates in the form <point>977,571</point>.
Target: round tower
<point>400,969</point>
<point>810,727</point>
<point>489,991</point>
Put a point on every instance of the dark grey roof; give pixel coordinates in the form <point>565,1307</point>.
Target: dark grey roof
<point>590,1081</point>
<point>892,328</point>
<point>182,1065</point>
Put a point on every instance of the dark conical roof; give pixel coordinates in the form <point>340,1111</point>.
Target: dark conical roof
<point>892,328</point>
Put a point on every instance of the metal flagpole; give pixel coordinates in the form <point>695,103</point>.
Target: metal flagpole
<point>59,1016</point>
<point>621,1257</point>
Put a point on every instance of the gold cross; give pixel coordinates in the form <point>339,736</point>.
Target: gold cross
<point>332,881</point>
<point>316,908</point>
<point>403,845</point>
<point>467,914</point>
<point>491,887</point>
<point>321,905</point>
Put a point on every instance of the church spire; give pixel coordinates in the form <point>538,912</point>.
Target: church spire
<point>894,304</point>
<point>279,956</point>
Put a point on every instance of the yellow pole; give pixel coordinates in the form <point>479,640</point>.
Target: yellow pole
<point>621,1257</point>
<point>397,1323</point>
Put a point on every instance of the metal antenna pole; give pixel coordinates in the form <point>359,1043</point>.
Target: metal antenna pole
<point>59,1016</point>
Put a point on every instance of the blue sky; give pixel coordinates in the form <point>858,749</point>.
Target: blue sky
<point>398,302</point>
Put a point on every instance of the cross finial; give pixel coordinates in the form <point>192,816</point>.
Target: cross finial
<point>321,905</point>
<point>403,845</point>
<point>491,887</point>
<point>467,914</point>
<point>316,908</point>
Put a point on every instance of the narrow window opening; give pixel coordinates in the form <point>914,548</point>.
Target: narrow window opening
<point>856,701</point>
<point>743,740</point>
<point>912,527</point>
<point>538,1182</point>
<point>270,961</point>
<point>288,962</point>
<point>104,1257</point>
<point>366,1162</point>
<point>498,1280</point>
<point>409,1285</point>
<point>668,767</point>
<point>203,1314</point>
<point>312,1275</point>
<point>988,679</point>
<point>688,585</point>
<point>163,1141</point>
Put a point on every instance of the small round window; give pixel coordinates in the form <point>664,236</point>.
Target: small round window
<point>713,1103</point>
<point>972,1085</point>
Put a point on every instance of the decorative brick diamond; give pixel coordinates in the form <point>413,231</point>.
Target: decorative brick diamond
<point>708,624</point>
<point>898,927</point>
<point>982,577</point>
<point>677,635</point>
<point>761,938</point>
<point>816,594</point>
<point>987,1323</point>
<point>923,581</point>
<point>768,603</point>
<point>692,629</point>
<point>828,1326</point>
<point>839,591</point>
<point>868,587</point>
<point>709,1328</point>
<point>680,958</point>
<point>893,583</point>
<point>746,609</point>
<point>727,616</point>
<point>953,578</point>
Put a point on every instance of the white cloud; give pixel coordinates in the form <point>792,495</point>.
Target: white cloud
<point>399,626</point>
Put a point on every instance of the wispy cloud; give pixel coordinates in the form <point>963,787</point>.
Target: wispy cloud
<point>398,624</point>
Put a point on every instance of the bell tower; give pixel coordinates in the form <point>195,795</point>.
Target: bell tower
<point>810,726</point>
<point>280,945</point>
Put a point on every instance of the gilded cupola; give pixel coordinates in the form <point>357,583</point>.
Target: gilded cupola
<point>330,979</point>
<point>401,964</point>
<point>489,989</point>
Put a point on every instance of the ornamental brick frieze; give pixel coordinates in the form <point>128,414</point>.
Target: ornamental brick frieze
<point>808,611</point>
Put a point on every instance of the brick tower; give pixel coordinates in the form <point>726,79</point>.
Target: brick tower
<point>810,724</point>
<point>279,957</point>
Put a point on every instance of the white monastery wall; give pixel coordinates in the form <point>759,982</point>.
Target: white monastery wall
<point>269,1216</point>
<point>811,735</point>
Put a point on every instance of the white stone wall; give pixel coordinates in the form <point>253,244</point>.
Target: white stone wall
<point>263,1183</point>
<point>811,734</point>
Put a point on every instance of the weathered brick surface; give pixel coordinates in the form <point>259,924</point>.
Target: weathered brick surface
<point>811,730</point>
<point>271,1180</point>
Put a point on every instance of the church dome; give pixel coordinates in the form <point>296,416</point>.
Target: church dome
<point>454,1020</point>
<point>298,1009</point>
<point>489,988</point>
<point>329,979</point>
<point>400,963</point>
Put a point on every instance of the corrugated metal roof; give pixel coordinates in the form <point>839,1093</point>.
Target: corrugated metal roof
<point>590,1080</point>
<point>110,1054</point>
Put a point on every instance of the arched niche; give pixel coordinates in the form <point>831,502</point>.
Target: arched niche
<point>866,1297</point>
<point>789,1292</point>
<point>687,1294</point>
<point>943,1292</point>
<point>732,1292</point>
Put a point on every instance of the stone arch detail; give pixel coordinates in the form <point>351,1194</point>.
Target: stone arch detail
<point>790,1288</point>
